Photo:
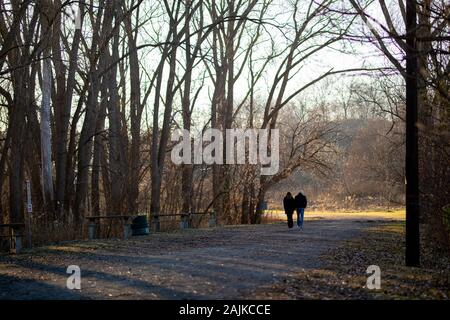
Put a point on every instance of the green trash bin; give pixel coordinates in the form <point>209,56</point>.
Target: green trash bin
<point>140,226</point>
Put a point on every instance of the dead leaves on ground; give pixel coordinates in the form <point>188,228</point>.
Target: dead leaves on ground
<point>344,273</point>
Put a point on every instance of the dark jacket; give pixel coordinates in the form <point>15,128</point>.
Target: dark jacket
<point>300,201</point>
<point>289,204</point>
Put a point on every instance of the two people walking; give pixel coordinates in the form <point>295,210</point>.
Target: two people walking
<point>292,204</point>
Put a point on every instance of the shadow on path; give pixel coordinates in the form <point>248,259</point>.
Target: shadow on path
<point>217,264</point>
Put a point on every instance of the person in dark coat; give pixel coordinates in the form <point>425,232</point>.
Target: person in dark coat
<point>300,203</point>
<point>289,208</point>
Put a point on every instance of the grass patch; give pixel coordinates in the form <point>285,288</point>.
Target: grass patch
<point>398,214</point>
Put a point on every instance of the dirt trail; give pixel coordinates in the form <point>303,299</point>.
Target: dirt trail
<point>220,263</point>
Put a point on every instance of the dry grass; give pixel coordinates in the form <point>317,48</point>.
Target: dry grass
<point>399,215</point>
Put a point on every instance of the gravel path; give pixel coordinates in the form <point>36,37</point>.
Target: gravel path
<point>220,263</point>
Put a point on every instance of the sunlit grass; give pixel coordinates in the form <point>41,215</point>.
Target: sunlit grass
<point>398,214</point>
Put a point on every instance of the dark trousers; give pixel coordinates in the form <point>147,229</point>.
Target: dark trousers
<point>290,220</point>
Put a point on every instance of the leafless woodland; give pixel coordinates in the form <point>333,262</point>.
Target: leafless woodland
<point>90,92</point>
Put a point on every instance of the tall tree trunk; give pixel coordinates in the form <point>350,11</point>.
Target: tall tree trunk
<point>63,113</point>
<point>159,149</point>
<point>46,138</point>
<point>228,112</point>
<point>136,116</point>
<point>155,173</point>
<point>16,171</point>
<point>161,154</point>
<point>46,134</point>
<point>96,160</point>
<point>18,59</point>
<point>412,256</point>
<point>117,155</point>
<point>187,169</point>
<point>85,150</point>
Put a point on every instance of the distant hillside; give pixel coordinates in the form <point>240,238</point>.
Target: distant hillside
<point>369,145</point>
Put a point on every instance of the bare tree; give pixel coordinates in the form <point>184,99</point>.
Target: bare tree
<point>47,13</point>
<point>420,38</point>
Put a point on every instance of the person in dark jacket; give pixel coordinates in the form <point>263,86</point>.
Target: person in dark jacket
<point>289,208</point>
<point>300,203</point>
